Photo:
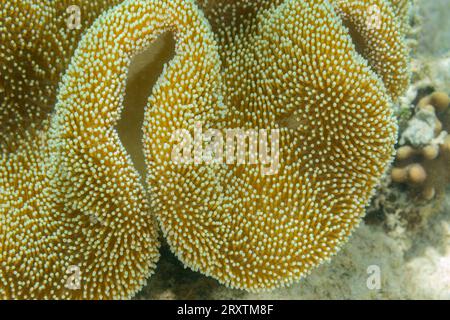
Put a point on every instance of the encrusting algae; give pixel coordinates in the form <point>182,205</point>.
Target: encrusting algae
<point>70,195</point>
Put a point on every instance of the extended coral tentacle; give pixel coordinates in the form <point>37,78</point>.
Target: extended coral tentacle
<point>401,9</point>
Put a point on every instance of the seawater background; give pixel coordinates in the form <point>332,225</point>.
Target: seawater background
<point>413,264</point>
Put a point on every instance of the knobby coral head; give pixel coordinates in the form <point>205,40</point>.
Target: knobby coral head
<point>72,199</point>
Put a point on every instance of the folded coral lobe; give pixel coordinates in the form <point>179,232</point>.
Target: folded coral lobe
<point>92,168</point>
<point>36,44</point>
<point>74,218</point>
<point>377,28</point>
<point>289,66</point>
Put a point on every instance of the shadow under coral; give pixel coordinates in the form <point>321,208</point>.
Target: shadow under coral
<point>172,281</point>
<point>143,74</point>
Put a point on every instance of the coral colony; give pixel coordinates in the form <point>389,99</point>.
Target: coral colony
<point>79,221</point>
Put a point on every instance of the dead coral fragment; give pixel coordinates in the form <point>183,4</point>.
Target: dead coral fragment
<point>337,132</point>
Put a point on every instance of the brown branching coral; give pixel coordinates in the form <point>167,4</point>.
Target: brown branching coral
<point>423,162</point>
<point>231,221</point>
